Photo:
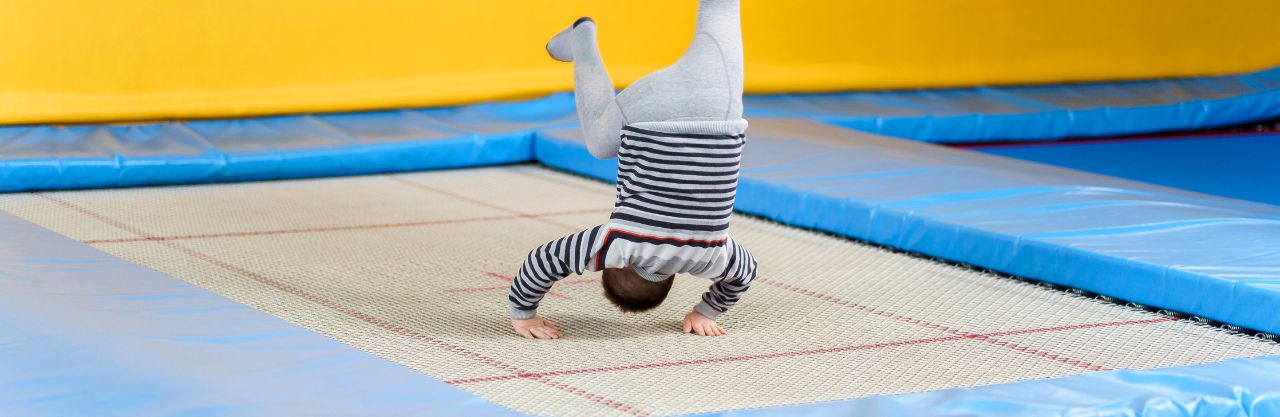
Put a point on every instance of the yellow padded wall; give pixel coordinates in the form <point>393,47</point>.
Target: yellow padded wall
<point>93,60</point>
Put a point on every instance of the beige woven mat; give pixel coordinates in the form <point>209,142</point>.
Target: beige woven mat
<point>414,268</point>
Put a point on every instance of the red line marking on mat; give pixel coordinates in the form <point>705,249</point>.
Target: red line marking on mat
<point>895,316</point>
<point>1081,326</point>
<point>89,213</point>
<point>480,202</point>
<point>702,361</point>
<point>479,289</point>
<point>809,352</point>
<point>342,228</point>
<point>588,185</point>
<point>508,279</point>
<point>367,318</point>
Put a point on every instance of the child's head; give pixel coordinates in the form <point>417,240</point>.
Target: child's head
<point>632,293</point>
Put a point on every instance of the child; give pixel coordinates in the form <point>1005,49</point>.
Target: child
<point>678,136</point>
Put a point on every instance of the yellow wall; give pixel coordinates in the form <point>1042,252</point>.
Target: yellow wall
<point>90,60</point>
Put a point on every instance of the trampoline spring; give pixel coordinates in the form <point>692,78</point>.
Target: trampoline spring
<point>1134,305</point>
<point>1172,313</point>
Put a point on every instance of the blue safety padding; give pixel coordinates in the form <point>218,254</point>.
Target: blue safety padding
<point>85,334</point>
<point>1236,166</point>
<point>1039,112</point>
<point>1163,247</point>
<point>90,156</point>
<point>1235,388</point>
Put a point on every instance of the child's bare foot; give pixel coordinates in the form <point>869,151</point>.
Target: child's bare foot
<point>535,328</point>
<point>695,322</point>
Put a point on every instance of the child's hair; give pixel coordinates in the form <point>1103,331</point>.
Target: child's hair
<point>632,293</point>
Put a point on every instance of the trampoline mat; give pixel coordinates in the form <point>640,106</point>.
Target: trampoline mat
<point>414,268</point>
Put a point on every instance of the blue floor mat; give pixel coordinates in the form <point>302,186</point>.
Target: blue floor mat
<point>1235,166</point>
<point>1040,112</point>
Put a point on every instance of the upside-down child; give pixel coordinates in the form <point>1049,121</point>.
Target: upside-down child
<point>678,134</point>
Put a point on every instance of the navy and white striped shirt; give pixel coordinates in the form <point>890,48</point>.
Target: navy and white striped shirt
<point>676,187</point>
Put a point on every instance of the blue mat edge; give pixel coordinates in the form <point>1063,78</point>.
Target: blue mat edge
<point>1239,388</point>
<point>86,333</point>
<point>217,166</point>
<point>1046,121</point>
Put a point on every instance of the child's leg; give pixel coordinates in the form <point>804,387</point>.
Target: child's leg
<point>593,92</point>
<point>705,83</point>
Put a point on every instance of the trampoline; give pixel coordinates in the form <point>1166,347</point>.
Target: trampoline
<point>414,268</point>
<point>262,209</point>
<point>308,267</point>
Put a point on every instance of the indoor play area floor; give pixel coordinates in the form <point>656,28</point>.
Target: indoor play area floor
<point>414,268</point>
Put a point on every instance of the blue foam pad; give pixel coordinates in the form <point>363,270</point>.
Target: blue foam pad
<point>70,157</point>
<point>1236,166</point>
<point>1236,388</point>
<point>1158,246</point>
<point>1039,112</point>
<point>83,333</point>
<point>52,158</point>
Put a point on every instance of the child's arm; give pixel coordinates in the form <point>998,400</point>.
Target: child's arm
<point>544,266</point>
<point>737,277</point>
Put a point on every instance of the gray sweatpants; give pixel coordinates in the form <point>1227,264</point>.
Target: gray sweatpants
<point>704,84</point>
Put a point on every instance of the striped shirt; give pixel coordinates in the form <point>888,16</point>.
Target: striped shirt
<point>675,193</point>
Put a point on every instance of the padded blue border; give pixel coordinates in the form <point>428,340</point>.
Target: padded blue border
<point>1158,246</point>
<point>1237,165</point>
<point>91,156</point>
<point>1039,112</point>
<point>1236,388</point>
<point>83,333</point>
<point>94,156</point>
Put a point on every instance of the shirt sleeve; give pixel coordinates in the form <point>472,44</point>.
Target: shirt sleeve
<point>737,277</point>
<point>547,264</point>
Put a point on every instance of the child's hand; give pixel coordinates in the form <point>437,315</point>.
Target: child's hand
<point>695,322</point>
<point>535,328</point>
